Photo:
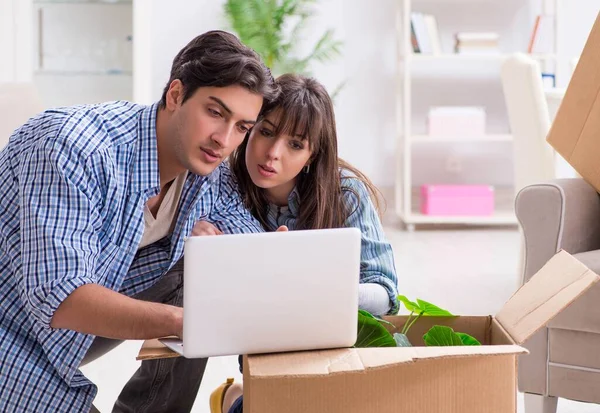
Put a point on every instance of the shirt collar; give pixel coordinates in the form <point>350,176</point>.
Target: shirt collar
<point>294,202</point>
<point>145,174</point>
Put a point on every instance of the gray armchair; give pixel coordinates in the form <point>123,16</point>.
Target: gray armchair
<point>564,359</point>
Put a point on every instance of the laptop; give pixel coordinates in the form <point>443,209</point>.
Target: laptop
<point>269,292</point>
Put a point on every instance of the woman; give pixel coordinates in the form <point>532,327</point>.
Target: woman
<point>290,175</point>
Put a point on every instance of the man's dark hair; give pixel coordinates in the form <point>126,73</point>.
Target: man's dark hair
<point>219,59</point>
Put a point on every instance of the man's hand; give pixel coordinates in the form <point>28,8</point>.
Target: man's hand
<point>205,228</point>
<point>179,321</point>
<point>93,309</point>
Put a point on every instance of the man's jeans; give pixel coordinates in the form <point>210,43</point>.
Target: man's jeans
<point>164,385</point>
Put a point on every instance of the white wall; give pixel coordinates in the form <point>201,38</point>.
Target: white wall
<point>161,29</point>
<point>82,53</point>
<point>7,47</point>
<point>577,19</point>
<point>15,40</point>
<point>366,107</point>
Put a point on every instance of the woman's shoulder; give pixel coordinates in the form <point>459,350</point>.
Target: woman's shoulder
<point>355,194</point>
<point>358,191</point>
<point>351,183</point>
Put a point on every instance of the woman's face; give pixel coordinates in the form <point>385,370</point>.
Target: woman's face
<point>274,162</point>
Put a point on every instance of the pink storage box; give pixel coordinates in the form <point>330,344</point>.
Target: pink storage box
<point>448,200</point>
<point>456,121</point>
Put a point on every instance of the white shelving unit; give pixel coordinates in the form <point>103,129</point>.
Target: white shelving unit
<point>471,57</point>
<point>450,66</point>
<point>465,138</point>
<point>82,50</point>
<point>500,218</point>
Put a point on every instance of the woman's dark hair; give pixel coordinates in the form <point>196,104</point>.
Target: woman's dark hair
<point>219,59</point>
<point>306,110</point>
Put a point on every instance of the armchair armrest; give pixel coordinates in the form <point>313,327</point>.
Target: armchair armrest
<point>560,214</point>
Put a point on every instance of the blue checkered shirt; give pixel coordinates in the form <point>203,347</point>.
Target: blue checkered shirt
<point>377,258</point>
<point>73,183</point>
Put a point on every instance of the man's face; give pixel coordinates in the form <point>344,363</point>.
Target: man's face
<point>210,124</point>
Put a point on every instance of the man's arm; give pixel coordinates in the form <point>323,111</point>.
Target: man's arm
<point>64,264</point>
<point>93,309</point>
<point>229,214</point>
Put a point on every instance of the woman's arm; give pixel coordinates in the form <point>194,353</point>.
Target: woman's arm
<point>377,268</point>
<point>374,298</point>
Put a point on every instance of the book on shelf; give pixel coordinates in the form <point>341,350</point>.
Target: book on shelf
<point>425,38</point>
<point>542,35</point>
<point>478,37</point>
<point>413,40</point>
<point>549,80</point>
<point>453,121</point>
<point>477,43</point>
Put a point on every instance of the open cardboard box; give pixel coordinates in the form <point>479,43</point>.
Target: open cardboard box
<point>575,131</point>
<point>424,379</point>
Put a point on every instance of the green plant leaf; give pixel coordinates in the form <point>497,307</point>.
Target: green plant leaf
<point>441,336</point>
<point>337,91</point>
<point>367,314</point>
<point>264,25</point>
<point>410,306</point>
<point>433,310</point>
<point>402,340</point>
<point>256,26</point>
<point>325,50</point>
<point>371,333</point>
<point>468,340</point>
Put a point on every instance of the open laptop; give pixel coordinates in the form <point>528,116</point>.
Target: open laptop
<point>269,292</point>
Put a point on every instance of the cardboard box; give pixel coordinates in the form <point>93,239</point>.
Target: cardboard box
<point>452,121</point>
<point>423,379</point>
<point>575,132</point>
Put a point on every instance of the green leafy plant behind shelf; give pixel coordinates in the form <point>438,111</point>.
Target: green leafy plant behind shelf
<point>274,28</point>
<point>372,332</point>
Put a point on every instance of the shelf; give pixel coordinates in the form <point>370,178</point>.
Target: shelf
<point>84,2</point>
<point>499,218</point>
<point>455,2</point>
<point>472,57</point>
<point>503,216</point>
<point>476,138</point>
<point>83,73</point>
<point>446,79</point>
<point>555,93</point>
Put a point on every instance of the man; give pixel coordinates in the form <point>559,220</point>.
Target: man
<point>96,203</point>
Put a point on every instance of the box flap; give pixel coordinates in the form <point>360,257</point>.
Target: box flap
<point>546,294</point>
<point>154,349</point>
<point>575,129</point>
<point>320,363</point>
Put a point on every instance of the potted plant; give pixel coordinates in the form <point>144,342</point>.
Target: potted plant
<point>274,28</point>
<point>373,333</point>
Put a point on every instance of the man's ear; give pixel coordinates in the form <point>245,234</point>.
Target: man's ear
<point>174,95</point>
